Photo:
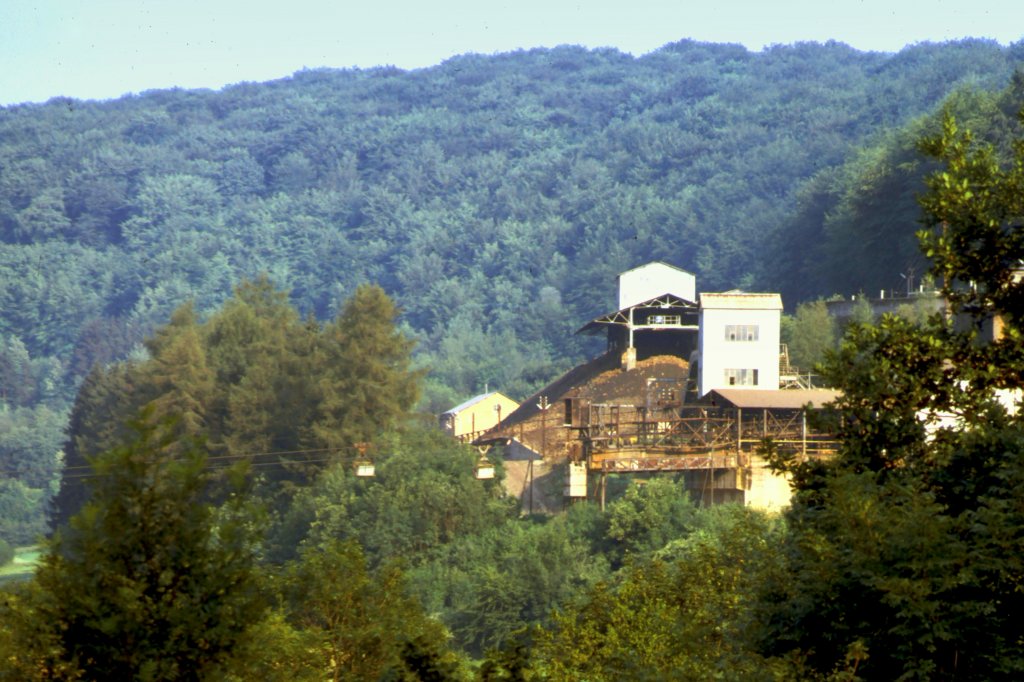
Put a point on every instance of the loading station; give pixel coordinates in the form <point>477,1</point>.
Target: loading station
<point>714,443</point>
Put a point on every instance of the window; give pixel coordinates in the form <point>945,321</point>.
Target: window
<point>741,332</point>
<point>741,377</point>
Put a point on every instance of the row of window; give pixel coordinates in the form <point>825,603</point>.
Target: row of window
<point>741,377</point>
<point>741,332</point>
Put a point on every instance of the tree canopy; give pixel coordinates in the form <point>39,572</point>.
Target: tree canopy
<point>490,198</point>
<point>149,581</point>
<point>903,550</point>
<point>258,383</point>
<point>493,198</point>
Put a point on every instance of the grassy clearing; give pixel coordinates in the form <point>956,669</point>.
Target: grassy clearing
<point>24,564</point>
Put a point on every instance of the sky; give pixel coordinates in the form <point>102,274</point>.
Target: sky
<point>101,49</point>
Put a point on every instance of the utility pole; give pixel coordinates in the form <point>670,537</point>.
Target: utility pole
<point>909,277</point>
<point>543,405</point>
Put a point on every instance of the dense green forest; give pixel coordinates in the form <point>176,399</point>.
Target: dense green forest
<point>493,198</point>
<point>226,535</point>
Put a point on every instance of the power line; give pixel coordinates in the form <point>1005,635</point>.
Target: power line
<point>84,471</point>
<point>237,456</point>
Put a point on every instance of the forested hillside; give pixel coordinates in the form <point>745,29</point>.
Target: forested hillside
<point>493,197</point>
<point>201,555</point>
<point>852,226</point>
<point>218,528</point>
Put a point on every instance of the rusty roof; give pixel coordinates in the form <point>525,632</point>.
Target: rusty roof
<point>788,399</point>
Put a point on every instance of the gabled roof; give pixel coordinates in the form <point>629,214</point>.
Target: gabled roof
<point>791,399</point>
<point>666,301</point>
<point>653,278</point>
<point>654,262</point>
<point>476,399</point>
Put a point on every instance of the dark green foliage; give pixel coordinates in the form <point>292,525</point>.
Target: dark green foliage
<point>22,511</point>
<point>809,334</point>
<point>361,625</point>
<point>687,613</point>
<point>424,496</point>
<point>855,226</point>
<point>976,213</point>
<point>510,664</point>
<point>366,384</point>
<point>97,423</point>
<point>149,581</point>
<point>259,383</point>
<point>481,165</point>
<point>6,552</point>
<point>30,469</point>
<point>489,586</point>
<point>338,619</point>
<point>903,550</point>
<point>493,198</point>
<point>647,518</point>
<point>179,377</point>
<point>424,661</point>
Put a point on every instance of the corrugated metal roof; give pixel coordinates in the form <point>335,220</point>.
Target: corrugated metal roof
<point>741,301</point>
<point>474,400</point>
<point>792,399</point>
<point>666,301</point>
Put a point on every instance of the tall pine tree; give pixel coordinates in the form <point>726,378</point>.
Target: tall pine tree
<point>366,385</point>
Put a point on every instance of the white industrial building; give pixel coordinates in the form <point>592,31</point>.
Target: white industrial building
<point>689,384</point>
<point>731,339</point>
<point>738,341</point>
<point>652,280</point>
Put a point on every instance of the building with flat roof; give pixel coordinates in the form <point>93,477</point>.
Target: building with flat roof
<point>738,341</point>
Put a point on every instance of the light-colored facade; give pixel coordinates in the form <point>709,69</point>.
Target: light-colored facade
<point>738,341</point>
<point>477,414</point>
<point>652,280</point>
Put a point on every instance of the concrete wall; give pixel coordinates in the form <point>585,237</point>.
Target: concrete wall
<point>539,491</point>
<point>767,490</point>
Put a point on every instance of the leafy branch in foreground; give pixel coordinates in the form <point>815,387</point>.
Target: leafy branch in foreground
<point>905,549</point>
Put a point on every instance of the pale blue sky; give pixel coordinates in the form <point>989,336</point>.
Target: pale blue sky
<point>104,48</point>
